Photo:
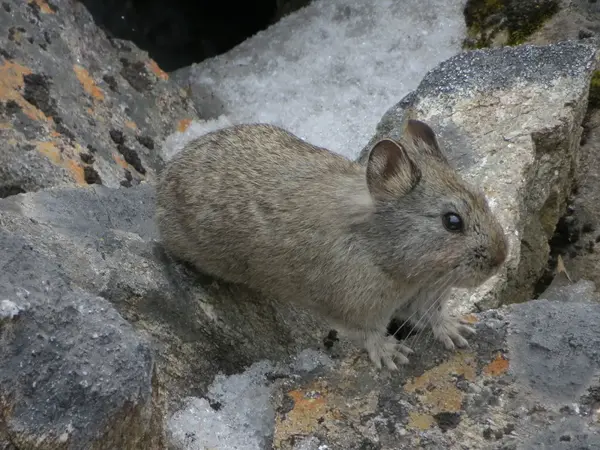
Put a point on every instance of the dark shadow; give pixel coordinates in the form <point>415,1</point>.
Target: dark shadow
<point>178,33</point>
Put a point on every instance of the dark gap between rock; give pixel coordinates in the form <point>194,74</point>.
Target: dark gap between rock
<point>7,191</point>
<point>562,243</point>
<point>181,32</point>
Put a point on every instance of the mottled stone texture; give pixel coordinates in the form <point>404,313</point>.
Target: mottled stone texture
<point>529,381</point>
<point>101,333</point>
<point>75,106</point>
<point>510,120</point>
<point>98,328</point>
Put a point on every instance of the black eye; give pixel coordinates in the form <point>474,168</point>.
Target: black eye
<point>452,222</point>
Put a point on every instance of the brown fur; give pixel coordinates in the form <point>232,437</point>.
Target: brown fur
<point>254,204</point>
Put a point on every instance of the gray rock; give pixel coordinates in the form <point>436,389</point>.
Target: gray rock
<point>576,19</point>
<point>510,120</point>
<point>556,357</point>
<point>561,289</point>
<point>76,256</point>
<point>75,106</point>
<point>529,380</point>
<point>555,347</point>
<point>74,373</point>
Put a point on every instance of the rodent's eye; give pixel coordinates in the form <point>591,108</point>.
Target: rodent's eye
<point>452,222</point>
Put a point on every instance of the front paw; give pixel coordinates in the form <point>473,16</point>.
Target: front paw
<point>450,332</point>
<point>384,350</point>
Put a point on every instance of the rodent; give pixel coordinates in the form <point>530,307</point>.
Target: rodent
<point>358,243</point>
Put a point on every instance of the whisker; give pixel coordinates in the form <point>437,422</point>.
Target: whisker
<point>407,320</point>
<point>430,298</point>
<point>422,327</point>
<point>436,303</point>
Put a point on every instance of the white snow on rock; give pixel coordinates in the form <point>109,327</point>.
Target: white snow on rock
<point>327,72</point>
<point>176,141</point>
<point>241,416</point>
<point>241,420</point>
<point>8,310</point>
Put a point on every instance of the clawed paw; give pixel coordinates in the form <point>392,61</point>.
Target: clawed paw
<point>451,331</point>
<point>386,351</point>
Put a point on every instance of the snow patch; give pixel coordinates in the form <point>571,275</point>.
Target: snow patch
<point>236,413</point>
<point>329,71</point>
<point>176,141</point>
<point>8,310</point>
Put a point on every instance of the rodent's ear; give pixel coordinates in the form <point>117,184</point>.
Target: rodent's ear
<point>390,171</point>
<point>420,131</point>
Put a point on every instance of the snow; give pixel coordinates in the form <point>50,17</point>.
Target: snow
<point>176,141</point>
<point>8,310</point>
<point>241,417</point>
<point>242,422</point>
<point>327,72</point>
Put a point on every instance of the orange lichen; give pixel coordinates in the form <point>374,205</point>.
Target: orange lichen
<point>470,318</point>
<point>49,150</point>
<point>156,70</point>
<point>5,126</point>
<point>76,171</point>
<point>11,83</point>
<point>53,153</point>
<point>310,407</point>
<point>44,7</point>
<point>11,78</point>
<point>120,161</point>
<point>498,366</point>
<point>183,125</point>
<point>420,421</point>
<point>438,385</point>
<point>88,83</point>
<point>307,403</point>
<point>131,124</point>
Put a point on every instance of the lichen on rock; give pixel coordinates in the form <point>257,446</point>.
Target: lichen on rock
<point>62,92</point>
<point>594,96</point>
<point>505,22</point>
<point>530,364</point>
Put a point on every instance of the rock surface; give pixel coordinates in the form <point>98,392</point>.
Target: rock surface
<point>582,251</point>
<point>575,19</point>
<point>576,237</point>
<point>510,120</point>
<point>508,22</point>
<point>529,381</point>
<point>74,373</point>
<point>73,256</point>
<point>103,336</point>
<point>76,107</point>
